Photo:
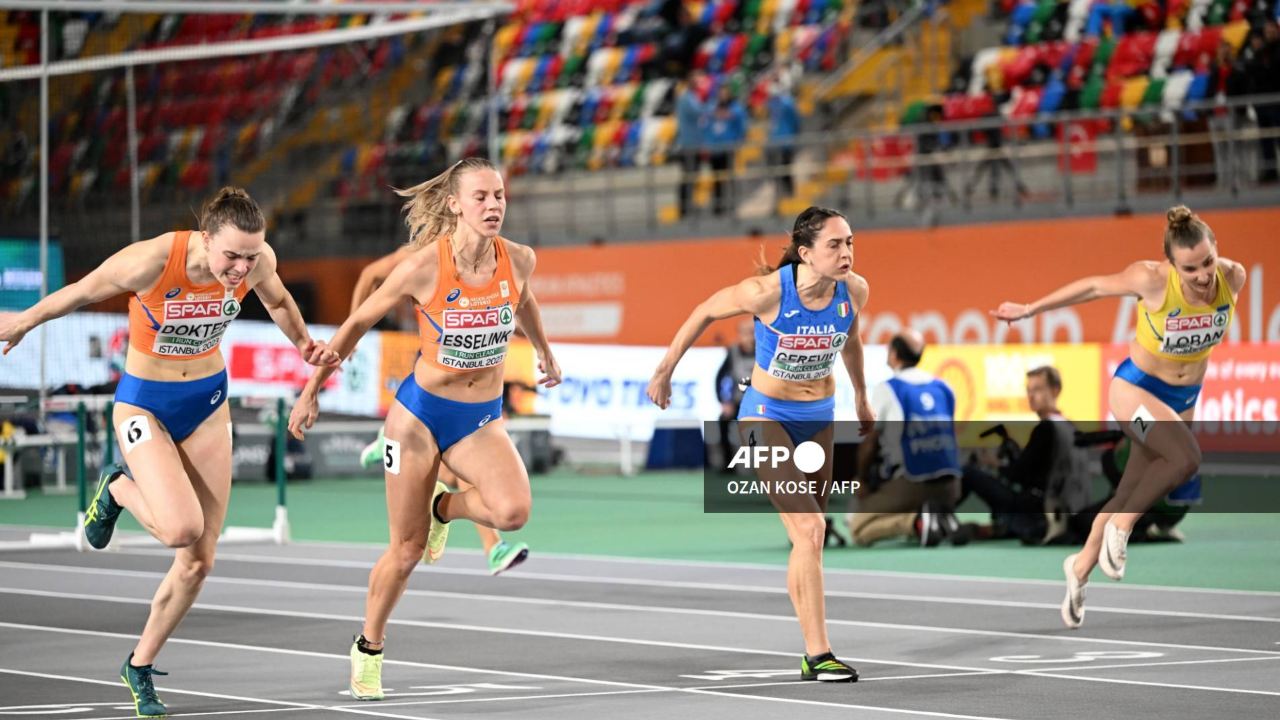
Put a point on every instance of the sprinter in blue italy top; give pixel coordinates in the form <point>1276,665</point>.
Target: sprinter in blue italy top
<point>806,315</point>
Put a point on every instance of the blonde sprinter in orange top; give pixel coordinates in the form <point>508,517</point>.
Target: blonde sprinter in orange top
<point>501,555</point>
<point>171,415</point>
<point>470,287</point>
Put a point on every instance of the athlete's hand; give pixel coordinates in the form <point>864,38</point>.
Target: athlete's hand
<point>318,352</point>
<point>303,415</point>
<point>550,370</point>
<point>12,330</point>
<point>660,389</point>
<point>1011,312</point>
<point>866,416</point>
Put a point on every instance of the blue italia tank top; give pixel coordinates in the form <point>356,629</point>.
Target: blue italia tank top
<point>802,344</point>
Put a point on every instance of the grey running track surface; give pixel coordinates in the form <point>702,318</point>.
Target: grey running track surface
<point>587,637</point>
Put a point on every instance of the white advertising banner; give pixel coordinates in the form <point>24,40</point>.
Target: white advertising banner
<point>603,393</point>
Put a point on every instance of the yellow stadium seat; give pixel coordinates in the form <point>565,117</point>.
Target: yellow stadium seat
<point>1235,33</point>
<point>1132,91</point>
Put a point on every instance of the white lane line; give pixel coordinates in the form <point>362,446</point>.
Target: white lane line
<point>762,589</point>
<point>356,619</point>
<point>327,656</point>
<point>657,562</point>
<point>1074,668</point>
<point>726,613</point>
<point>284,704</point>
<point>1176,686</point>
<point>629,641</point>
<point>505,698</point>
<point>347,709</point>
<point>258,711</point>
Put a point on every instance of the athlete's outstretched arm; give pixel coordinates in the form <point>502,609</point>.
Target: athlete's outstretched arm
<point>1140,279</point>
<point>133,269</point>
<point>284,312</point>
<point>374,274</point>
<point>852,356</point>
<point>529,317</point>
<point>403,282</point>
<point>751,296</point>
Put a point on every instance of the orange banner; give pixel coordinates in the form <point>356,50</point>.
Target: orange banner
<point>941,281</point>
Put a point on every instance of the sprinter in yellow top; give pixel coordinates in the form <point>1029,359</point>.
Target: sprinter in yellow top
<point>1185,305</point>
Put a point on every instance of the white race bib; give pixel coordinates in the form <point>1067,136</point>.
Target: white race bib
<point>193,327</point>
<point>806,357</point>
<point>475,339</point>
<point>1190,334</point>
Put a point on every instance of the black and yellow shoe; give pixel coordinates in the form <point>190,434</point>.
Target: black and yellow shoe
<point>826,668</point>
<point>138,679</point>
<point>103,511</point>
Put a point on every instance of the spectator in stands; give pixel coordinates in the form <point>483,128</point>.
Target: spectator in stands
<point>681,43</point>
<point>1046,478</point>
<point>918,482</point>
<point>731,380</point>
<point>784,126</point>
<point>726,129</point>
<point>690,117</point>
<point>1261,70</point>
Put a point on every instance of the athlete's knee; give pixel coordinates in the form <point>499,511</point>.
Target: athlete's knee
<point>510,516</point>
<point>808,531</point>
<point>182,533</point>
<point>406,555</point>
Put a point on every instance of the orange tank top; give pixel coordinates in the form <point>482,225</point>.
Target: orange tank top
<point>464,328</point>
<point>177,319</point>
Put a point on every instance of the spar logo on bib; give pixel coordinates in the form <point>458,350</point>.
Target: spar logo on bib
<point>1190,334</point>
<point>806,357</point>
<point>475,339</point>
<point>194,327</point>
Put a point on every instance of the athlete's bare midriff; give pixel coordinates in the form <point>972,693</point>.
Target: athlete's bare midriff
<point>144,366</point>
<point>1173,372</point>
<point>800,390</point>
<point>474,386</point>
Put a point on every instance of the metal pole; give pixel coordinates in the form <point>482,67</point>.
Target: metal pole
<point>131,117</point>
<point>1065,133</point>
<point>492,105</point>
<point>1121,192</point>
<point>281,421</point>
<point>44,194</point>
<point>1176,165</point>
<point>82,479</point>
<point>109,440</point>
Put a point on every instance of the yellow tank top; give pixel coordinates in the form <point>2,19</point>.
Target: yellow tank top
<point>1181,331</point>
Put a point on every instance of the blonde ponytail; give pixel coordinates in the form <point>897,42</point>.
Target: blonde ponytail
<point>427,213</point>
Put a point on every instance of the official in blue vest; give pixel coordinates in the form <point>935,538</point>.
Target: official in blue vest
<point>918,481</point>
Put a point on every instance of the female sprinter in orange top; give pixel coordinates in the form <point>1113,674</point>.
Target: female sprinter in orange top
<point>501,555</point>
<point>171,415</point>
<point>1185,304</point>
<point>806,315</point>
<point>470,287</point>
